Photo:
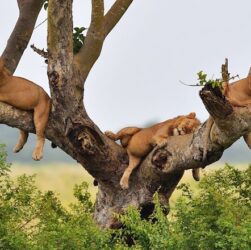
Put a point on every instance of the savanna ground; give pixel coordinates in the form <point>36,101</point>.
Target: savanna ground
<point>61,178</point>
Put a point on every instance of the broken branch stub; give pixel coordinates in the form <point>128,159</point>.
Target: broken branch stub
<point>215,102</point>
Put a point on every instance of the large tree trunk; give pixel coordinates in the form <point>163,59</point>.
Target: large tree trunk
<point>71,129</point>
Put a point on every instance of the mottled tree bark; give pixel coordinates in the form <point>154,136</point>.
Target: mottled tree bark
<point>71,129</point>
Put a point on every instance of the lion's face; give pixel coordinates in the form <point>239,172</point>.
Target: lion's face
<point>186,125</point>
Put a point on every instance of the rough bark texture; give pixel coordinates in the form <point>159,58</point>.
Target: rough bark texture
<point>71,129</point>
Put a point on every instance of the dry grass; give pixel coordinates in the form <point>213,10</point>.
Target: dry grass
<point>61,178</point>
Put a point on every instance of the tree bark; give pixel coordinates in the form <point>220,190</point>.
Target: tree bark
<point>71,129</point>
<point>20,37</point>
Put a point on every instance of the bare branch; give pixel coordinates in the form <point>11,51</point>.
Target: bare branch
<point>224,71</point>
<point>97,15</point>
<point>40,52</point>
<point>91,49</point>
<point>20,37</point>
<point>115,14</point>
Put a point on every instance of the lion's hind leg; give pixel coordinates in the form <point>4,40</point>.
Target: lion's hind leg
<point>21,141</point>
<point>133,163</point>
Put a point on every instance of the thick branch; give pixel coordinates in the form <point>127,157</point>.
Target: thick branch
<point>215,102</point>
<point>79,143</point>
<point>115,13</point>
<point>23,120</point>
<point>185,152</point>
<point>60,50</point>
<point>20,37</point>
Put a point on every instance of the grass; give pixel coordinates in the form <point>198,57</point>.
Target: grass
<point>57,177</point>
<point>61,178</point>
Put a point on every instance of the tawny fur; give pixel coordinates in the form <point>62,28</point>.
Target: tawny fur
<point>26,95</point>
<point>239,95</point>
<point>140,141</point>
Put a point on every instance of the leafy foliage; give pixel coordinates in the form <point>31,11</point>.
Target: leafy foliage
<point>31,219</point>
<point>78,39</point>
<point>217,217</point>
<point>202,78</point>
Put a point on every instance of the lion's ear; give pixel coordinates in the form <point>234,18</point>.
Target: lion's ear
<point>192,115</point>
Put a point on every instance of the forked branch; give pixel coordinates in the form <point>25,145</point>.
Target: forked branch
<point>99,28</point>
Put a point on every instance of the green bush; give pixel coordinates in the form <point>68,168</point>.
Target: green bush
<point>217,217</point>
<point>31,219</point>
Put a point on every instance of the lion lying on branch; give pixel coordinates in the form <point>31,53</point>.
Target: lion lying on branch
<point>26,95</point>
<point>140,141</point>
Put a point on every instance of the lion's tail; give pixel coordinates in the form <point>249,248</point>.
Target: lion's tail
<point>124,135</point>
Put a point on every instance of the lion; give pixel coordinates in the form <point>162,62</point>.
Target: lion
<point>238,94</point>
<point>26,95</point>
<point>140,141</point>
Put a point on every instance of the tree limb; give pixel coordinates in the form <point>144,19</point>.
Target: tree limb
<point>97,15</point>
<point>94,40</point>
<point>115,13</point>
<point>20,37</point>
<point>60,50</point>
<point>40,52</point>
<point>185,152</point>
<point>99,28</point>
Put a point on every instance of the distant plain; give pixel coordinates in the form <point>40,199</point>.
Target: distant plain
<point>61,178</point>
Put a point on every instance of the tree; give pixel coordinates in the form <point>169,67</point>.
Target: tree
<point>71,129</point>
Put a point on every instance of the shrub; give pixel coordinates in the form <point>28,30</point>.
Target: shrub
<point>217,217</point>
